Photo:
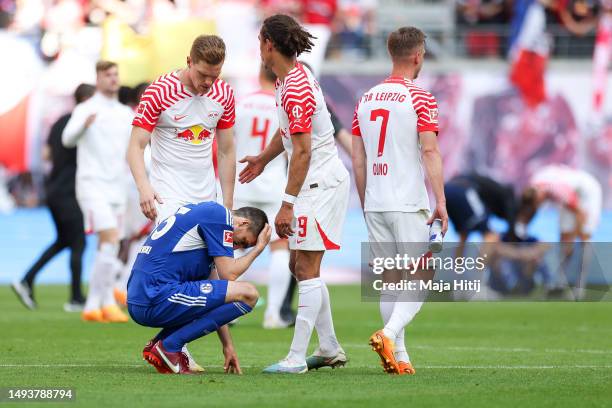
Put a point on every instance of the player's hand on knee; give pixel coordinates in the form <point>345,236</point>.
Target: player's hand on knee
<point>283,221</point>
<point>264,237</point>
<point>253,169</point>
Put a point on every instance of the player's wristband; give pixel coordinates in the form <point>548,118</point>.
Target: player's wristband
<point>288,198</point>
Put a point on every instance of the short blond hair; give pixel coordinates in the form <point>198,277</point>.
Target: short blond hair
<point>103,65</point>
<point>208,48</point>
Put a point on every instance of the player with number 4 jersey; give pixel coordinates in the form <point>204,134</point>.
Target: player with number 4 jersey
<point>256,124</point>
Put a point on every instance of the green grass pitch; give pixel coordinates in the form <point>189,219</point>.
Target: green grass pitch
<point>466,355</point>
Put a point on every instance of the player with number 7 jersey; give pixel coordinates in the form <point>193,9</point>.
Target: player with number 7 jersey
<point>395,128</point>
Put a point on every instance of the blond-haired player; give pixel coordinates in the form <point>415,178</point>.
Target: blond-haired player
<point>179,115</point>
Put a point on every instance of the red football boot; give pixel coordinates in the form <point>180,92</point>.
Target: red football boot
<point>153,360</point>
<point>174,363</point>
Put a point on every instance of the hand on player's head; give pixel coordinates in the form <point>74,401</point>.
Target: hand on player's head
<point>264,237</point>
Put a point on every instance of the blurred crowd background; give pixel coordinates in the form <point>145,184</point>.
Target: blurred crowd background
<point>488,112</point>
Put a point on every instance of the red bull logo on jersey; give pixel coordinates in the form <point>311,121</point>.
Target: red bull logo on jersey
<point>194,135</point>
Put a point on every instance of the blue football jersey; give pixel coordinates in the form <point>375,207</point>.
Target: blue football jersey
<point>180,249</point>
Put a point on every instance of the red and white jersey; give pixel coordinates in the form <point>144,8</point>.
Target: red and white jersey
<point>256,123</point>
<point>564,185</point>
<point>302,109</point>
<point>389,118</point>
<point>183,126</point>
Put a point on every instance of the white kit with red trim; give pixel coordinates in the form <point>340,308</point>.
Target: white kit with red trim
<point>182,126</point>
<point>256,124</point>
<point>389,118</point>
<point>321,205</point>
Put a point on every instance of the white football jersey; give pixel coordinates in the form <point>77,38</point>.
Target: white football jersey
<point>564,185</point>
<point>182,126</point>
<point>389,118</point>
<point>302,109</point>
<point>256,123</point>
<point>101,163</point>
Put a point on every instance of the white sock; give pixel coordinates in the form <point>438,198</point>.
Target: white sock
<point>278,281</point>
<point>112,265</point>
<point>403,313</point>
<point>387,303</point>
<point>126,270</point>
<point>96,285</point>
<point>102,277</point>
<point>328,343</point>
<point>309,305</point>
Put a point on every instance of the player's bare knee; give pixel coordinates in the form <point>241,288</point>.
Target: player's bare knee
<point>249,294</point>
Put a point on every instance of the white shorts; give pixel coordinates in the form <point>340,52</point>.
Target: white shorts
<point>100,215</point>
<point>395,232</point>
<point>319,218</point>
<point>590,201</point>
<point>136,224</point>
<point>271,210</point>
<point>168,208</point>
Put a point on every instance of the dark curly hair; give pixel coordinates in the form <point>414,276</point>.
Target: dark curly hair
<point>288,37</point>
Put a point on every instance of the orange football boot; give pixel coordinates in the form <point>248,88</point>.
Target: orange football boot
<point>120,297</point>
<point>382,345</point>
<point>113,314</point>
<point>93,316</point>
<point>405,368</point>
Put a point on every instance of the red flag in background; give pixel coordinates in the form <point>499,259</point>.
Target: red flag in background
<point>529,54</point>
<point>601,60</point>
<point>13,140</point>
<point>527,74</point>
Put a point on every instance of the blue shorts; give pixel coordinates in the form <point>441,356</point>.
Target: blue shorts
<point>465,209</point>
<point>188,301</point>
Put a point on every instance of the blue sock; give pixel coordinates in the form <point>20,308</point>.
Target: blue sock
<point>165,332</point>
<point>201,326</point>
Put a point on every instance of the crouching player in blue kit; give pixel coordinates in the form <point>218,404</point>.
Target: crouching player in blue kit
<point>183,280</point>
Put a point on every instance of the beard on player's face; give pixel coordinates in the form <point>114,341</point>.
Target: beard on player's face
<point>243,237</point>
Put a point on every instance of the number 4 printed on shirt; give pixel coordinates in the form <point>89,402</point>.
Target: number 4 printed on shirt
<point>263,133</point>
